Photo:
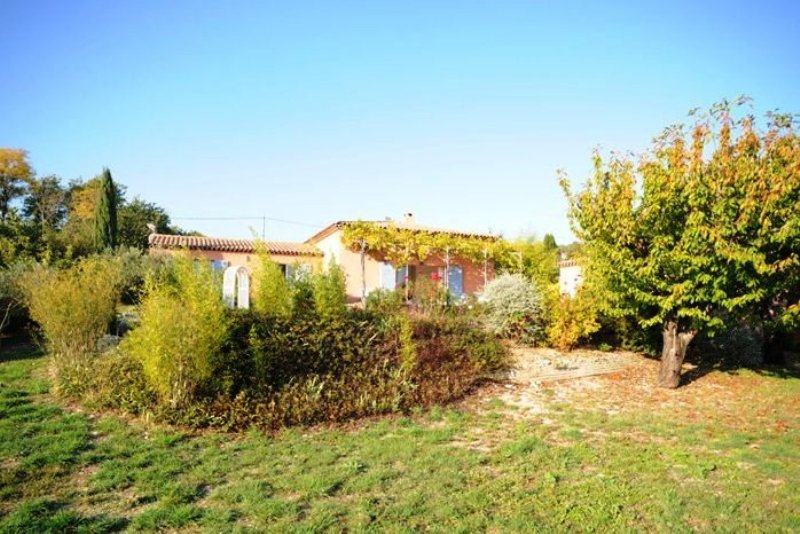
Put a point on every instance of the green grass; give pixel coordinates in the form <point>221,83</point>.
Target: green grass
<point>442,470</point>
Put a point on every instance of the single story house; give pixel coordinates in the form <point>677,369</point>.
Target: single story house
<point>365,271</point>
<point>464,277</point>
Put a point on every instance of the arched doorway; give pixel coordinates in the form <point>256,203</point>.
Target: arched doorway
<point>236,287</point>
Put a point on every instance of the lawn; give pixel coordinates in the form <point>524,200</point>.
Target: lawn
<point>599,454</point>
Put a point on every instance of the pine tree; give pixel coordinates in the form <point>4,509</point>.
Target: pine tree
<point>105,215</point>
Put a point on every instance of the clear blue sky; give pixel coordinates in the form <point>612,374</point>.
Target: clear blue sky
<point>460,112</point>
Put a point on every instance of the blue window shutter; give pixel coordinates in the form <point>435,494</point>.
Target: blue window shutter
<point>400,278</point>
<point>455,277</point>
<point>388,275</point>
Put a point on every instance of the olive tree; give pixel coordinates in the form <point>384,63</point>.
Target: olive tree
<point>698,232</point>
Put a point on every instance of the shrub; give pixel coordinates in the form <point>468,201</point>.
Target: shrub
<point>330,291</point>
<point>74,308</point>
<point>626,332</point>
<point>572,320</point>
<point>134,267</point>
<point>13,313</point>
<point>514,308</point>
<point>430,296</point>
<point>740,344</point>
<point>406,348</point>
<point>277,371</point>
<point>267,352</point>
<point>302,291</point>
<point>271,292</point>
<point>385,302</point>
<point>118,381</point>
<point>183,325</point>
<point>452,353</point>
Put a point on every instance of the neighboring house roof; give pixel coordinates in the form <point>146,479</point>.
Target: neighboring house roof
<point>230,245</point>
<point>328,230</point>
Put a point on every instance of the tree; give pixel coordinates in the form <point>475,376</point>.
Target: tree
<point>134,217</point>
<point>14,171</point>
<point>699,233</point>
<point>45,202</point>
<point>549,242</point>
<point>105,218</point>
<point>16,240</point>
<point>531,257</point>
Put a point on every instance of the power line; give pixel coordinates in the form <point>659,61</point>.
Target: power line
<point>274,219</point>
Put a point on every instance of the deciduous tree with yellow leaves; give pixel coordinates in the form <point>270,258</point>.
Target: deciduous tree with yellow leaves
<point>700,231</point>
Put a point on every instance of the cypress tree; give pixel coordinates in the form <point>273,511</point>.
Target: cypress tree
<point>105,215</point>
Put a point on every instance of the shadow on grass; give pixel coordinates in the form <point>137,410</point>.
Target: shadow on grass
<point>20,350</point>
<point>705,367</point>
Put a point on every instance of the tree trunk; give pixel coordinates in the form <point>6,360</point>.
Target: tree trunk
<point>673,353</point>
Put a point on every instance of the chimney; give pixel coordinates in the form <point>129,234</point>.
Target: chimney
<point>408,219</point>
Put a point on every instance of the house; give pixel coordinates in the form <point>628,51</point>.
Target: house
<point>570,276</point>
<point>224,253</point>
<point>462,276</point>
<point>365,270</point>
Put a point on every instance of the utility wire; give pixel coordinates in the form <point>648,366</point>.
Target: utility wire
<point>274,219</point>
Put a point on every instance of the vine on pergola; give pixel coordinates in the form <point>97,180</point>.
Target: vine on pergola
<point>401,246</point>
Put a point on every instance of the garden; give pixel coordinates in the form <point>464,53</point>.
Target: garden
<point>148,403</point>
<point>299,356</point>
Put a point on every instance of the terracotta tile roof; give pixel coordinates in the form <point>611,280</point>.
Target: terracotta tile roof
<point>328,230</point>
<point>229,245</point>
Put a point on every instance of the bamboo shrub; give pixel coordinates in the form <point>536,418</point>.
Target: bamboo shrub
<point>330,293</point>
<point>73,308</point>
<point>183,326</point>
<point>272,294</point>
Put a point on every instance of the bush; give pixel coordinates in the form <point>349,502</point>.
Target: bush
<point>739,344</point>
<point>267,352</point>
<point>13,313</point>
<point>513,308</point>
<point>135,266</point>
<point>430,296</point>
<point>74,308</point>
<point>119,381</point>
<point>572,320</point>
<point>183,325</point>
<point>271,292</point>
<point>452,353</point>
<point>385,302</point>
<point>277,371</point>
<point>330,291</point>
<point>192,361</point>
<point>302,290</point>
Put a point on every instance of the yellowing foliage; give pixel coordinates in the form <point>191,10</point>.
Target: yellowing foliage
<point>183,326</point>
